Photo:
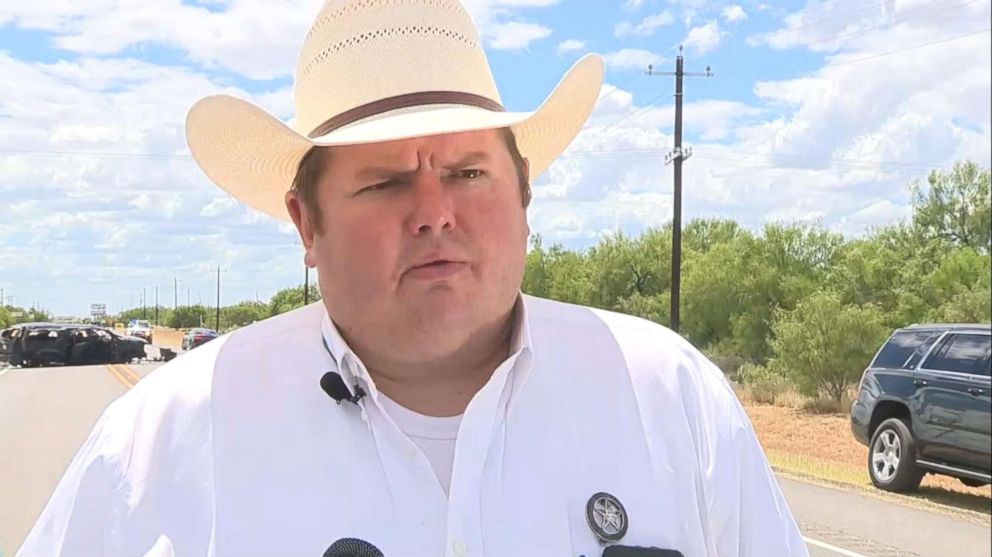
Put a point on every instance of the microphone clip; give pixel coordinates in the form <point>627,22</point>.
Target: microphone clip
<point>334,386</point>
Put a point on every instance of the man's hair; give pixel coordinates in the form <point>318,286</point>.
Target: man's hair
<point>312,166</point>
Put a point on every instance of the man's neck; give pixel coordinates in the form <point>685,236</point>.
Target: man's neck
<point>445,386</point>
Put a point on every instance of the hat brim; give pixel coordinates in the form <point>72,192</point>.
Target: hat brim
<point>254,156</point>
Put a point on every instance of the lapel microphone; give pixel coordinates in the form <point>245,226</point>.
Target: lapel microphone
<point>332,384</point>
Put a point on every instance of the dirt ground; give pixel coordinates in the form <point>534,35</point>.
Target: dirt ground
<point>169,338</point>
<point>828,439</point>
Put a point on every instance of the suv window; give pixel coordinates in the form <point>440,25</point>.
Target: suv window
<point>963,353</point>
<point>921,350</point>
<point>901,346</point>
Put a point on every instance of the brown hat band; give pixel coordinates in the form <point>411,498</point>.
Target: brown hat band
<point>404,101</point>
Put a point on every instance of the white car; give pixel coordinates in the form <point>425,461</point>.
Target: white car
<point>139,328</point>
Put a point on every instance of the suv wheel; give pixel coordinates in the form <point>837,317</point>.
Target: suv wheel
<point>892,458</point>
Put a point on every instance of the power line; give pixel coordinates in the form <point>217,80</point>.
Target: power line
<point>908,48</point>
<point>859,32</point>
<point>622,120</point>
<point>826,19</point>
<point>772,160</point>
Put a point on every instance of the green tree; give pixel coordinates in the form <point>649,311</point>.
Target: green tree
<point>243,313</point>
<point>6,319</point>
<point>701,235</point>
<point>186,317</point>
<point>712,296</point>
<point>291,298</point>
<point>620,267</point>
<point>823,345</point>
<point>567,275</point>
<point>958,289</point>
<point>955,207</point>
<point>535,280</point>
<point>27,315</point>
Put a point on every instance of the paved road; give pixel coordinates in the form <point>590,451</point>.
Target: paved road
<point>864,525</point>
<point>45,414</point>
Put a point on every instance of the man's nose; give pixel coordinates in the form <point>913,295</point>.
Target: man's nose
<point>433,210</point>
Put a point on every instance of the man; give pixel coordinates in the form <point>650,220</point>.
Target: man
<point>476,420</point>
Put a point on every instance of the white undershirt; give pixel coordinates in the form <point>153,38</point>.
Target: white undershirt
<point>433,435</point>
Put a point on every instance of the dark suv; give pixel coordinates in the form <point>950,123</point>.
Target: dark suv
<point>924,407</point>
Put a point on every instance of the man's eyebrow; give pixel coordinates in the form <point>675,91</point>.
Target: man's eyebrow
<point>468,159</point>
<point>381,173</point>
<point>385,172</point>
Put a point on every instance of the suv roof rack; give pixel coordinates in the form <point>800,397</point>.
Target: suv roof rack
<point>950,326</point>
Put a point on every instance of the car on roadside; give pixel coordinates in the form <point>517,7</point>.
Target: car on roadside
<point>139,328</point>
<point>197,336</point>
<point>6,340</point>
<point>924,406</point>
<point>50,344</point>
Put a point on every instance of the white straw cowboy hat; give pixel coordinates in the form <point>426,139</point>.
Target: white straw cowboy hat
<point>379,70</point>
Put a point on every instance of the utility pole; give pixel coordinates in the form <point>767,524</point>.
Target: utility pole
<point>175,294</point>
<point>678,155</point>
<point>144,306</point>
<point>217,327</point>
<point>1,297</point>
<point>306,284</point>
<point>156,305</point>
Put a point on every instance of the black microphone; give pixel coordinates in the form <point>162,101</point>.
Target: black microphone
<point>352,547</point>
<point>334,386</point>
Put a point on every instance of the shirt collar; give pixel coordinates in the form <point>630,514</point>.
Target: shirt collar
<point>353,370</point>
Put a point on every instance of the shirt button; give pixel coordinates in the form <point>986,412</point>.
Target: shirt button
<point>458,548</point>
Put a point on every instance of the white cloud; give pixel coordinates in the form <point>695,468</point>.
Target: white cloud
<point>254,38</point>
<point>833,27</point>
<point>258,39</point>
<point>631,59</point>
<point>645,27</point>
<point>733,14</point>
<point>633,4</point>
<point>515,35</point>
<point>501,25</point>
<point>704,38</point>
<point>835,144</point>
<point>570,45</point>
<point>78,205</point>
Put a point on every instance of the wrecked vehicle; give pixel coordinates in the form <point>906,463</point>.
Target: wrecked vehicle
<point>5,344</point>
<point>45,344</point>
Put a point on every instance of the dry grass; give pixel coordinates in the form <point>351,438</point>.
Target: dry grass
<point>822,446</point>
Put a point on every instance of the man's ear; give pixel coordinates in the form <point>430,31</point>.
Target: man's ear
<point>527,195</point>
<point>304,226</point>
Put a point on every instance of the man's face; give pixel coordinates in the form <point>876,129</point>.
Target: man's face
<point>423,242</point>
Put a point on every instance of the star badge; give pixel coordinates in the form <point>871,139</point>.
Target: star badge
<point>607,518</point>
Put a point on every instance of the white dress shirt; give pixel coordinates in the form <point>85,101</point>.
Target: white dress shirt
<point>233,450</point>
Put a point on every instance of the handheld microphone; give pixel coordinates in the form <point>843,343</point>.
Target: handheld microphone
<point>352,547</point>
<point>334,386</point>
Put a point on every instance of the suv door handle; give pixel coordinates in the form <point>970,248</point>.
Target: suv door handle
<point>975,391</point>
<point>920,383</point>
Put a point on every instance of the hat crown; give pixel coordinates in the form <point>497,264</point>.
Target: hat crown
<point>362,51</point>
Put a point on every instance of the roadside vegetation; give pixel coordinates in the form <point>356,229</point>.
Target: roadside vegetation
<point>792,312</point>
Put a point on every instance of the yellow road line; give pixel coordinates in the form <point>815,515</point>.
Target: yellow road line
<point>125,375</point>
<point>130,373</point>
<point>113,371</point>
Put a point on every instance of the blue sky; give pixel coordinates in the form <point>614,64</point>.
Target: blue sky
<point>818,111</point>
